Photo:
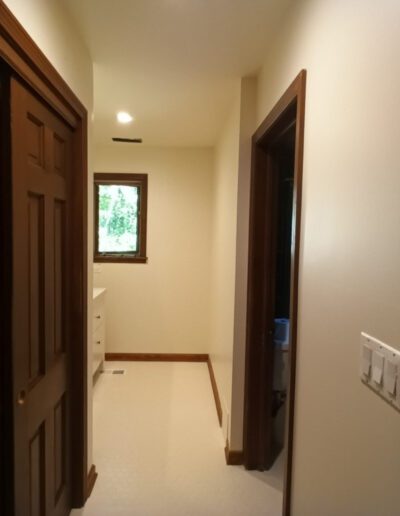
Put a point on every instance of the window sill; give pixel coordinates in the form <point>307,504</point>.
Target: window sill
<point>120,259</point>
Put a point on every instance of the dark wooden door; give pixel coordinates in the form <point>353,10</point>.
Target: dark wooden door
<point>259,448</point>
<point>41,165</point>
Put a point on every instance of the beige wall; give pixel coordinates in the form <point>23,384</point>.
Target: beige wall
<point>163,306</point>
<point>223,255</point>
<point>50,27</point>
<point>231,222</point>
<point>346,449</point>
<point>248,105</point>
<point>346,458</point>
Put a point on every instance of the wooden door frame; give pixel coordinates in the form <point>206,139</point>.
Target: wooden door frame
<point>27,62</point>
<point>291,104</point>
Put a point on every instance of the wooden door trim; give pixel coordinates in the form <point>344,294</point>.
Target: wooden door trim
<point>28,62</point>
<point>92,477</point>
<point>292,103</point>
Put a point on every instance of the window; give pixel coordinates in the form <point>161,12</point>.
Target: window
<point>120,204</point>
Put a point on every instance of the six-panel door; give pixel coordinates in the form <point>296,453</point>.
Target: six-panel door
<point>41,167</point>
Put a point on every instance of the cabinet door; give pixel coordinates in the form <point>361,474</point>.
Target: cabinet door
<point>98,313</point>
<point>99,332</point>
<point>98,347</point>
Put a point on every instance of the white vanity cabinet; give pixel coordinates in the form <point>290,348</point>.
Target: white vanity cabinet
<point>99,329</point>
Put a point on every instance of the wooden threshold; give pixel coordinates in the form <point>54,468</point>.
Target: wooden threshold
<point>91,480</point>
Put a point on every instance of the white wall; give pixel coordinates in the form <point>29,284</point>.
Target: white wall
<point>231,225</point>
<point>50,26</point>
<point>347,447</point>
<point>346,458</point>
<point>248,105</point>
<point>53,31</point>
<point>163,306</point>
<point>223,256</point>
<point>347,451</point>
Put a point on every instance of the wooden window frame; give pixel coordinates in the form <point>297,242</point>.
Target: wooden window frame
<point>128,179</point>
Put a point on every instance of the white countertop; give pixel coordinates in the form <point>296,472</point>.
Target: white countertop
<point>98,292</point>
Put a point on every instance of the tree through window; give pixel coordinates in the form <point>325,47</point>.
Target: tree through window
<point>120,217</point>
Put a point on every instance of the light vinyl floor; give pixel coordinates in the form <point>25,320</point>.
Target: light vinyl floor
<point>159,450</point>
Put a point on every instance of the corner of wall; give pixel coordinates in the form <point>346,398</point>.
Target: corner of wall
<point>248,106</point>
<point>231,208</point>
<point>226,158</point>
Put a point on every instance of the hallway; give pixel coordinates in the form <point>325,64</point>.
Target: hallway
<point>158,448</point>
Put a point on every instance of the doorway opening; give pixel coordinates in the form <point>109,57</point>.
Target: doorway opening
<point>274,237</point>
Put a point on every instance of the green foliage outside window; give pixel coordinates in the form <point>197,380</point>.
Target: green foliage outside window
<point>118,218</point>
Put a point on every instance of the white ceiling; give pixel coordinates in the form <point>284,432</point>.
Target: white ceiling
<point>173,64</point>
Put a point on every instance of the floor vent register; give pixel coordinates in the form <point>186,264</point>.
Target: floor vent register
<point>113,371</point>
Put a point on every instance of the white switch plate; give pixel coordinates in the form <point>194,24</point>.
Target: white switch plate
<point>389,387</point>
<point>378,363</point>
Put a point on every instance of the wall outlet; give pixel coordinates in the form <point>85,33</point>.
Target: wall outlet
<point>380,368</point>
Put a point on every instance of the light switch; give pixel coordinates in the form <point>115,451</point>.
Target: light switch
<point>378,361</point>
<point>391,377</point>
<point>380,368</point>
<point>366,360</point>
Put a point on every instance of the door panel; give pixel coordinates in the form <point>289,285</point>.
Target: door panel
<point>260,325</point>
<point>59,447</point>
<point>59,291</point>
<point>36,473</point>
<point>35,286</point>
<point>41,161</point>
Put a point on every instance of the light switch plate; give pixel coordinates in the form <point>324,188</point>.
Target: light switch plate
<point>366,360</point>
<point>392,370</point>
<point>378,363</point>
<point>380,368</point>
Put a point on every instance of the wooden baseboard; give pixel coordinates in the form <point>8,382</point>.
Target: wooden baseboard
<point>233,457</point>
<point>156,357</point>
<point>91,480</point>
<point>215,390</point>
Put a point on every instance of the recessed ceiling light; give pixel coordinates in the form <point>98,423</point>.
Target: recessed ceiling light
<point>124,118</point>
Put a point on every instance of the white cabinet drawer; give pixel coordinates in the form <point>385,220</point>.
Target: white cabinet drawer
<point>98,347</point>
<point>98,315</point>
<point>99,340</point>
